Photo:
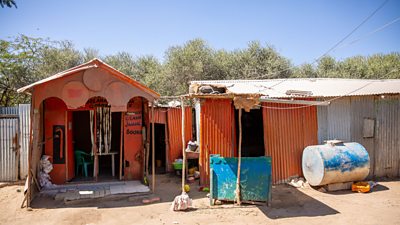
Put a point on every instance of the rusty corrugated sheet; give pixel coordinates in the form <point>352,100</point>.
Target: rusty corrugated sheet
<point>9,148</point>
<point>216,133</point>
<point>286,133</point>
<point>174,117</point>
<point>160,115</point>
<point>387,137</point>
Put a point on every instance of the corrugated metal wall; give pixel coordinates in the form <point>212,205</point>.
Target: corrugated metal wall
<point>20,113</point>
<point>360,108</point>
<point>334,121</point>
<point>387,137</point>
<point>160,115</point>
<point>9,148</point>
<point>24,128</point>
<point>286,133</point>
<point>174,118</point>
<point>9,110</point>
<point>216,133</point>
<point>344,119</point>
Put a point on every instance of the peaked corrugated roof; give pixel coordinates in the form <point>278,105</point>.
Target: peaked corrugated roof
<point>94,63</point>
<point>301,87</point>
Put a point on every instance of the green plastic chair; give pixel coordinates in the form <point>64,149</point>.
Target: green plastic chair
<point>83,160</point>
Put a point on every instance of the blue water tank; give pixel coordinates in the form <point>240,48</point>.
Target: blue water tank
<point>335,163</point>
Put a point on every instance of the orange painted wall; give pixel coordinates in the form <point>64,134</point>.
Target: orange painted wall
<point>286,133</point>
<point>133,142</point>
<point>54,114</point>
<point>174,117</point>
<point>216,133</point>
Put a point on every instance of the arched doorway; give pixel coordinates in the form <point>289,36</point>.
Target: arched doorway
<point>56,139</point>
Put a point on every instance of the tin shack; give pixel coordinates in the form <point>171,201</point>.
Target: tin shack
<point>284,116</point>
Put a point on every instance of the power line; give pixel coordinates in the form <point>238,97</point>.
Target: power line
<point>327,101</point>
<point>330,49</point>
<point>354,30</point>
<point>373,32</point>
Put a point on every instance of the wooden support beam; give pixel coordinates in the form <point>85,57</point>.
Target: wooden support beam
<point>121,146</point>
<point>237,196</point>
<point>153,158</point>
<point>183,144</point>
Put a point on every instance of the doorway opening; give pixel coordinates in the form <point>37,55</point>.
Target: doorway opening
<point>109,163</point>
<point>160,149</point>
<point>82,146</point>
<point>252,132</point>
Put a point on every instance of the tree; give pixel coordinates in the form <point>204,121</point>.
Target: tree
<point>305,71</point>
<point>150,72</point>
<point>17,58</point>
<point>192,61</point>
<point>258,62</point>
<point>89,54</point>
<point>25,60</point>
<point>124,62</point>
<point>8,3</point>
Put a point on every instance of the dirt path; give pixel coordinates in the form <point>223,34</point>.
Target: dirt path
<point>289,206</point>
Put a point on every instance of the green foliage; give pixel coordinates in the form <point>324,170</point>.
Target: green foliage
<point>8,3</point>
<point>24,60</point>
<point>258,62</point>
<point>124,62</point>
<point>377,66</point>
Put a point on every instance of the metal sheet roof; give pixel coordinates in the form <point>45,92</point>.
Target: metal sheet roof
<point>92,64</point>
<point>317,87</point>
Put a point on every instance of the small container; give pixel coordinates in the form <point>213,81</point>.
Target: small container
<point>191,171</point>
<point>177,165</point>
<point>361,187</point>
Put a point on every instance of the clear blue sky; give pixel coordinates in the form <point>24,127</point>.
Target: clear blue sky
<point>300,30</point>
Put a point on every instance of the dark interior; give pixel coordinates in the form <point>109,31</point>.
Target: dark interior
<point>82,142</point>
<point>160,148</point>
<point>105,160</point>
<point>81,131</point>
<point>252,133</point>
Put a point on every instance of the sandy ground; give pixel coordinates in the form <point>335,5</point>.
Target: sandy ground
<point>289,206</point>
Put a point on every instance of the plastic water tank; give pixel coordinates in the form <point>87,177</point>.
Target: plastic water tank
<point>335,162</point>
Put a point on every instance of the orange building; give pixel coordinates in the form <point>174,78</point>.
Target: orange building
<point>91,113</point>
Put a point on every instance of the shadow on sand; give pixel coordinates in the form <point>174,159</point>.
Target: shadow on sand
<point>290,202</point>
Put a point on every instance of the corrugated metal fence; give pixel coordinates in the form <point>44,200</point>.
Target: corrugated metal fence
<point>14,142</point>
<point>286,133</point>
<point>174,120</point>
<point>346,118</point>
<point>216,133</point>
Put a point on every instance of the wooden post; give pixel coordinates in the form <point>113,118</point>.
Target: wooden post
<point>166,146</point>
<point>121,145</point>
<point>147,145</point>
<point>237,197</point>
<point>183,145</point>
<point>153,158</point>
<point>66,146</point>
<point>30,150</point>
